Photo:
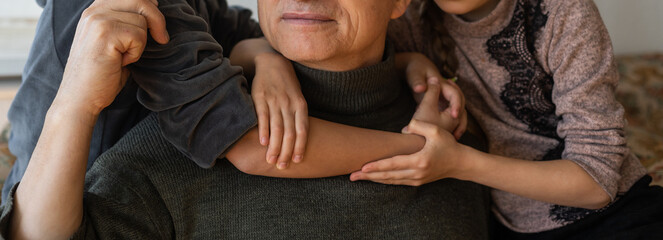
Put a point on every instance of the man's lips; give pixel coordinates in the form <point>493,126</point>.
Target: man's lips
<point>306,18</point>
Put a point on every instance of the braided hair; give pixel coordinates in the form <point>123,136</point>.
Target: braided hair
<point>437,36</point>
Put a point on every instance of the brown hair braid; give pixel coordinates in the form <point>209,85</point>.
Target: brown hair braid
<point>437,36</point>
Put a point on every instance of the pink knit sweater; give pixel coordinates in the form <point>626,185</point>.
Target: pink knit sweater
<point>539,77</point>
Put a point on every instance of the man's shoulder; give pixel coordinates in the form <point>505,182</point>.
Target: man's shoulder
<point>141,151</point>
<point>133,161</point>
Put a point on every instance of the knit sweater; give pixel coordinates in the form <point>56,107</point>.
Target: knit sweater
<point>539,77</point>
<point>144,188</point>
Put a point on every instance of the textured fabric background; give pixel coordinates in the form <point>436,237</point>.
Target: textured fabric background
<point>641,92</point>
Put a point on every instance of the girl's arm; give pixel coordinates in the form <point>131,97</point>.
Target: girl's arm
<point>333,149</point>
<point>278,99</point>
<point>560,182</point>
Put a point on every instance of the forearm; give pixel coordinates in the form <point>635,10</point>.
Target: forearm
<point>560,182</point>
<point>48,203</point>
<point>333,149</point>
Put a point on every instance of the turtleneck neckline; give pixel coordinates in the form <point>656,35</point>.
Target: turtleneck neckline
<point>351,92</point>
<point>487,26</point>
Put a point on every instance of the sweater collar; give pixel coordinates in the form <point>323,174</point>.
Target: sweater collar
<point>351,92</point>
<point>488,26</point>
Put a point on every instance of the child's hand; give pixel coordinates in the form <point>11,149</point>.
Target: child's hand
<point>428,110</point>
<point>281,108</point>
<point>418,69</point>
<point>437,160</point>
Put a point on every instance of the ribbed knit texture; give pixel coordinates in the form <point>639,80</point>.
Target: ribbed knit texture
<point>144,188</point>
<point>371,97</point>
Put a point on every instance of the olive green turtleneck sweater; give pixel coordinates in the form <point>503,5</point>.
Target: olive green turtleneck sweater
<point>143,188</point>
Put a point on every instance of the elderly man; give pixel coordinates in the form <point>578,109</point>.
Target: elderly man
<point>144,188</point>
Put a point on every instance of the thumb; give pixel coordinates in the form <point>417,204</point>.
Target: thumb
<point>421,128</point>
<point>417,81</point>
<point>432,95</point>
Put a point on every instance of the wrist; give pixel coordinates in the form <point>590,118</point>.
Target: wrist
<point>74,111</point>
<point>468,161</point>
<point>411,143</point>
<point>265,58</point>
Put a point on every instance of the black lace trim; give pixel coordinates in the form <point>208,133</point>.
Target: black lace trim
<point>565,215</point>
<point>528,96</point>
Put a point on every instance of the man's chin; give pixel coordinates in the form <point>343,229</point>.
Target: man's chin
<point>304,55</point>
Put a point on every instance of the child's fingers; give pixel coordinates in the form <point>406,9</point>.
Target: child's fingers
<point>301,128</point>
<point>406,182</point>
<point>432,95</point>
<point>288,139</point>
<point>263,120</point>
<point>454,97</point>
<point>462,125</point>
<point>379,176</point>
<point>275,135</point>
<point>417,81</point>
<point>388,164</point>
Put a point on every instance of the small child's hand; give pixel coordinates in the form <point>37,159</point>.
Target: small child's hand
<point>281,108</point>
<point>428,110</point>
<point>419,69</point>
<point>438,159</point>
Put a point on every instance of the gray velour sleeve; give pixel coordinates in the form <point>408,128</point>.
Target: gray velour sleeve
<point>202,101</point>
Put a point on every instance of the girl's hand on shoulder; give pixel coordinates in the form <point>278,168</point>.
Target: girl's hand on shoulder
<point>418,70</point>
<point>439,158</point>
<point>281,108</point>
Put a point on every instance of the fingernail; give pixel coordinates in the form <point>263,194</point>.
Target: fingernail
<point>282,166</point>
<point>271,160</point>
<point>297,159</point>
<point>433,80</point>
<point>406,130</point>
<point>263,141</point>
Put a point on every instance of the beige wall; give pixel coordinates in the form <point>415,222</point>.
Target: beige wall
<point>636,26</point>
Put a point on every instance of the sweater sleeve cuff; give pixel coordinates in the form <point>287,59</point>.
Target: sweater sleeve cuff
<point>206,128</point>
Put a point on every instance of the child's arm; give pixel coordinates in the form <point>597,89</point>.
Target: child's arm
<point>281,107</point>
<point>565,182</point>
<point>334,149</point>
<point>560,182</point>
<point>195,91</point>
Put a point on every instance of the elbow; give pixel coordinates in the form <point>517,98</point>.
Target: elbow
<point>597,199</point>
<point>247,155</point>
<point>599,202</point>
<point>247,161</point>
<point>248,165</point>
